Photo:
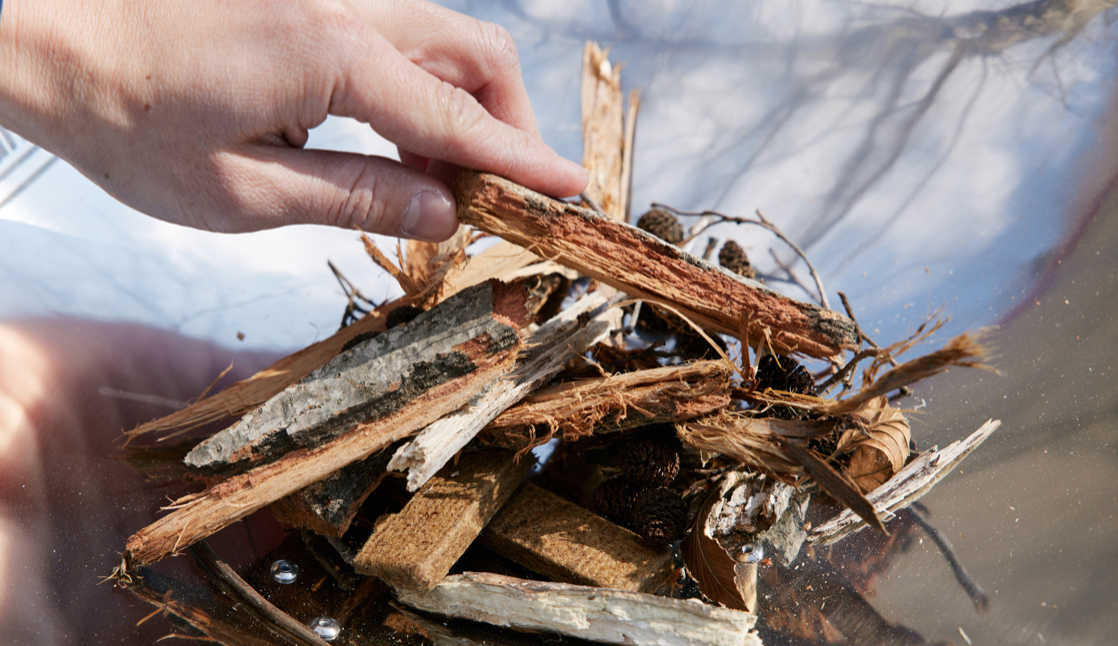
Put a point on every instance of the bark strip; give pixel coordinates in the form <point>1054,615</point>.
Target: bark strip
<point>614,403</point>
<point>606,616</point>
<point>202,514</point>
<point>645,267</point>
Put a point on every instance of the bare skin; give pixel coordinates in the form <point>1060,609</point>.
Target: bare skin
<point>197,112</point>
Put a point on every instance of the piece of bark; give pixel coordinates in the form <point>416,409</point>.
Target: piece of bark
<point>648,268</point>
<point>907,486</point>
<point>549,348</point>
<point>568,543</point>
<point>614,403</point>
<point>328,506</point>
<point>202,514</point>
<point>248,394</point>
<point>416,548</point>
<point>608,616</point>
<point>375,378</point>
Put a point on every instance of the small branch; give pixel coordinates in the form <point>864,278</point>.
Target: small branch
<point>765,223</point>
<point>352,296</point>
<point>848,368</point>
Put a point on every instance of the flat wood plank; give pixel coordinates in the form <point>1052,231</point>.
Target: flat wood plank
<point>416,548</point>
<point>570,544</point>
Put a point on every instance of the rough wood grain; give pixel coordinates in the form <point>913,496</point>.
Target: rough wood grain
<point>614,403</point>
<point>200,515</point>
<point>608,616</point>
<point>645,267</point>
<point>416,548</point>
<point>568,543</point>
<point>549,348</point>
<point>375,378</point>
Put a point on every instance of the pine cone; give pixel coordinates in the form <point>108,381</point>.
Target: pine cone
<point>733,258</point>
<point>613,498</point>
<point>784,374</point>
<point>662,224</point>
<point>659,516</point>
<point>401,315</point>
<point>651,460</point>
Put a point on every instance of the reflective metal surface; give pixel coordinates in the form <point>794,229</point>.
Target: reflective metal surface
<point>953,157</point>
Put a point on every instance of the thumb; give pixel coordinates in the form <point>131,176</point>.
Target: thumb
<point>274,187</point>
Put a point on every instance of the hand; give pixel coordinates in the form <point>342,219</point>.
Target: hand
<point>68,503</point>
<point>197,112</point>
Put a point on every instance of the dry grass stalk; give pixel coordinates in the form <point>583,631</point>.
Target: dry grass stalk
<point>965,350</point>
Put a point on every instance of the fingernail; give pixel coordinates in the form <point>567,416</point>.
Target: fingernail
<point>578,171</point>
<point>430,216</point>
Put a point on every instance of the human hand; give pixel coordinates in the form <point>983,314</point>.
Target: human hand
<point>68,503</point>
<point>197,112</point>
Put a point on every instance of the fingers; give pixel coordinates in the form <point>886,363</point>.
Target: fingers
<point>432,118</point>
<point>271,187</point>
<point>477,56</point>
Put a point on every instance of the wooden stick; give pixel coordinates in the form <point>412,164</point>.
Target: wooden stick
<point>373,379</point>
<point>200,515</point>
<point>328,506</point>
<point>549,349</point>
<point>609,616</point>
<point>645,267</point>
<point>615,403</point>
<point>415,548</point>
<point>565,542</point>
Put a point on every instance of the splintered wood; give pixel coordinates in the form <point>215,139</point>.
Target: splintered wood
<point>684,451</point>
<point>643,266</point>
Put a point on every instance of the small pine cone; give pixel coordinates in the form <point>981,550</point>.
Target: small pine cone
<point>651,460</point>
<point>784,374</point>
<point>659,516</point>
<point>663,225</point>
<point>401,315</point>
<point>733,258</point>
<point>613,498</point>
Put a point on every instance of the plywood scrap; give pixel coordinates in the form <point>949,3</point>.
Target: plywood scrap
<point>484,361</point>
<point>549,348</point>
<point>328,506</point>
<point>614,403</point>
<point>568,543</point>
<point>646,267</point>
<point>415,548</point>
<point>375,378</point>
<point>608,616</point>
<point>907,486</point>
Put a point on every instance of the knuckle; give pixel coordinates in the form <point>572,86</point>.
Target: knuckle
<point>460,109</point>
<point>358,205</point>
<point>499,48</point>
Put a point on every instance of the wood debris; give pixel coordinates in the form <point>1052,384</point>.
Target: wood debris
<point>609,616</point>
<point>695,429</point>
